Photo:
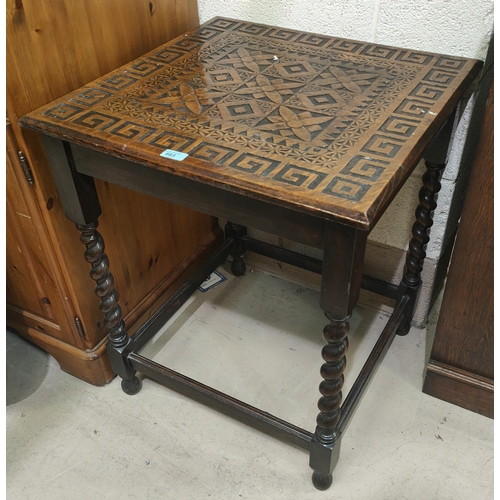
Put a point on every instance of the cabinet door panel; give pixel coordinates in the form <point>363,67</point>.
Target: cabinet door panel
<point>32,294</point>
<point>54,47</point>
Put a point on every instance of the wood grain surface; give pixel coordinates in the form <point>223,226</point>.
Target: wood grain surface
<point>464,334</point>
<point>322,125</point>
<point>461,368</point>
<point>53,48</point>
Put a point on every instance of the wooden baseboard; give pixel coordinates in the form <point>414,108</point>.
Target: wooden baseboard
<point>93,366</point>
<point>459,387</point>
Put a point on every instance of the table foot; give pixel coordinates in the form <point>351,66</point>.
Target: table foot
<point>238,267</point>
<point>404,328</point>
<point>322,481</point>
<point>236,233</point>
<point>131,386</point>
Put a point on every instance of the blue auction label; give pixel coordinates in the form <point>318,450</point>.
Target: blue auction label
<point>174,155</point>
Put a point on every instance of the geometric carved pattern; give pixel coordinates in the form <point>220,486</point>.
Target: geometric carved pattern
<point>96,120</point>
<point>415,109</point>
<point>170,140</point>
<point>347,45</point>
<point>427,91</point>
<point>188,44</point>
<point>89,97</point>
<point>282,34</point>
<point>240,110</point>
<point>168,55</point>
<point>205,34</point>
<point>254,164</point>
<point>365,168</point>
<point>439,76</point>
<point>399,126</point>
<point>119,82</point>
<point>131,130</point>
<point>222,24</point>
<point>452,63</point>
<point>378,51</point>
<point>299,176</point>
<point>314,40</point>
<point>281,111</point>
<point>145,68</point>
<point>63,111</point>
<point>252,29</point>
<point>346,188</point>
<point>414,57</point>
<point>212,152</point>
<point>382,145</point>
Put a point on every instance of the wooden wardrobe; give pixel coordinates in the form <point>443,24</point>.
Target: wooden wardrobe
<point>461,366</point>
<point>53,47</point>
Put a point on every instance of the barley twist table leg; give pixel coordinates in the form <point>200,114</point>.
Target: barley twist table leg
<point>332,371</point>
<point>435,156</point>
<point>343,255</point>
<point>104,289</point>
<point>411,281</point>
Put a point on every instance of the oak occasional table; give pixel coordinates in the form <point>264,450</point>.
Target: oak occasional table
<point>305,136</point>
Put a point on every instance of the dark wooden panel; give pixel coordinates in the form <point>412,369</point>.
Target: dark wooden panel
<point>464,335</point>
<point>296,226</point>
<point>342,269</point>
<point>459,387</point>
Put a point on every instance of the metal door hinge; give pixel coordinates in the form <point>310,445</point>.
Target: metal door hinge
<point>79,327</point>
<point>26,168</point>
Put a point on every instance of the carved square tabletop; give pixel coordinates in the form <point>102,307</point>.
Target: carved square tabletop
<point>318,124</point>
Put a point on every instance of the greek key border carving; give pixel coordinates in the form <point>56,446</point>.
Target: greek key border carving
<point>297,119</point>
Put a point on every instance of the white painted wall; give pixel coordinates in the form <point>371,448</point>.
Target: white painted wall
<point>454,27</point>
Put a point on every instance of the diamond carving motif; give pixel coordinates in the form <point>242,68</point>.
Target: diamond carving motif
<point>330,121</point>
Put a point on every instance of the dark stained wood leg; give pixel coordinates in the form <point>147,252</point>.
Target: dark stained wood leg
<point>435,161</point>
<point>81,205</point>
<point>344,250</point>
<point>104,289</point>
<point>236,232</point>
<point>326,441</point>
<point>411,281</point>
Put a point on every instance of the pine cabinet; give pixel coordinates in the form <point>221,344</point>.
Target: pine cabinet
<point>53,47</point>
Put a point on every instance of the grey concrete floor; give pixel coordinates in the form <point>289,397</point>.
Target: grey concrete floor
<point>258,338</point>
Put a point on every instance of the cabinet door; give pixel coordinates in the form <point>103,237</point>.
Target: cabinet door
<point>54,47</point>
<point>33,297</point>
